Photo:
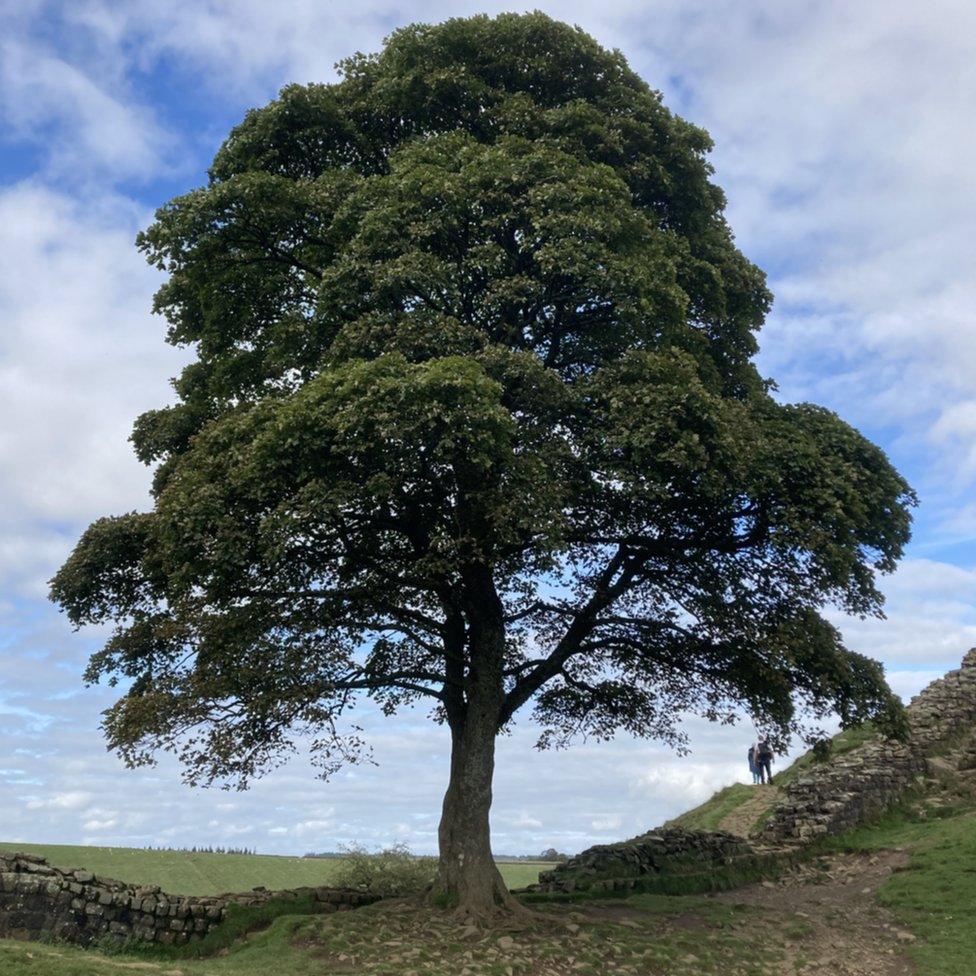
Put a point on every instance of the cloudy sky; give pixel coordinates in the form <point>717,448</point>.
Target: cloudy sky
<point>845,143</point>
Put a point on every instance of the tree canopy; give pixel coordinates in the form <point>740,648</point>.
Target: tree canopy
<point>473,419</point>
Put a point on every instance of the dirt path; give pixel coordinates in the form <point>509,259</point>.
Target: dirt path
<point>829,913</point>
<point>744,817</point>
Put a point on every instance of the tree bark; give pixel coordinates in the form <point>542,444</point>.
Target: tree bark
<point>467,876</point>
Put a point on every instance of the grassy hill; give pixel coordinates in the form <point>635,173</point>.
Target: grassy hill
<point>186,873</point>
<point>717,812</point>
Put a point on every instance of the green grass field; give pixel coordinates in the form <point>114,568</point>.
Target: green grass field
<point>184,873</point>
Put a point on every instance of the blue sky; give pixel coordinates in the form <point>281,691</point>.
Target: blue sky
<point>844,142</point>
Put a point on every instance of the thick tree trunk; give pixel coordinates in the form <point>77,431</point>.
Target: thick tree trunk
<point>467,875</point>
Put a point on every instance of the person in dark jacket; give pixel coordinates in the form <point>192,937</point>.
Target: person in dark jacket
<point>764,760</point>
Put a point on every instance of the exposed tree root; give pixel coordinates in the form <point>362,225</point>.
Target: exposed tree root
<point>503,910</point>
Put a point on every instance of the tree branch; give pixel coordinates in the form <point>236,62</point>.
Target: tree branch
<point>609,587</point>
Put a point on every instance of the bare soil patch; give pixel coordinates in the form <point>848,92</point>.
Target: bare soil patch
<point>828,912</point>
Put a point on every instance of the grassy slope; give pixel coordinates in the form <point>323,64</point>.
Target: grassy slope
<point>935,897</point>
<point>183,873</point>
<point>708,815</point>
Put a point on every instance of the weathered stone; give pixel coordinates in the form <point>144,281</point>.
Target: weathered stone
<point>844,792</point>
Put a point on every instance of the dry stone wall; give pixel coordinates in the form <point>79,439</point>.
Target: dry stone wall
<point>38,901</point>
<point>851,790</point>
<point>827,799</point>
<point>857,786</point>
<point>670,851</point>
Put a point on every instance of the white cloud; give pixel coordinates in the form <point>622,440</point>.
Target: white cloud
<point>930,616</point>
<point>907,684</point>
<point>526,820</point>
<point>80,357</point>
<point>253,46</point>
<point>82,128</point>
<point>849,176</point>
<point>692,780</point>
<point>61,801</point>
<point>101,824</point>
<point>312,827</point>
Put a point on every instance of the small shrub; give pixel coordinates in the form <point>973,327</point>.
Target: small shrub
<point>393,871</point>
<point>822,750</point>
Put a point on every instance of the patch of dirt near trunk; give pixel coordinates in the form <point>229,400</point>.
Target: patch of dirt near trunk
<point>829,914</point>
<point>821,919</point>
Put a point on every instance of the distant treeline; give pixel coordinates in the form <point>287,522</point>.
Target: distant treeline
<point>549,854</point>
<point>203,850</point>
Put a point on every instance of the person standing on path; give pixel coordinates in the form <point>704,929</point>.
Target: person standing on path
<point>753,764</point>
<point>764,760</point>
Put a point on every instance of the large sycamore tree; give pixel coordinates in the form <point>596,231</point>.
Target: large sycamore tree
<point>472,420</point>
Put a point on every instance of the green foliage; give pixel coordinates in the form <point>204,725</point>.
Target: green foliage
<point>473,418</point>
<point>393,871</point>
<point>821,750</point>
